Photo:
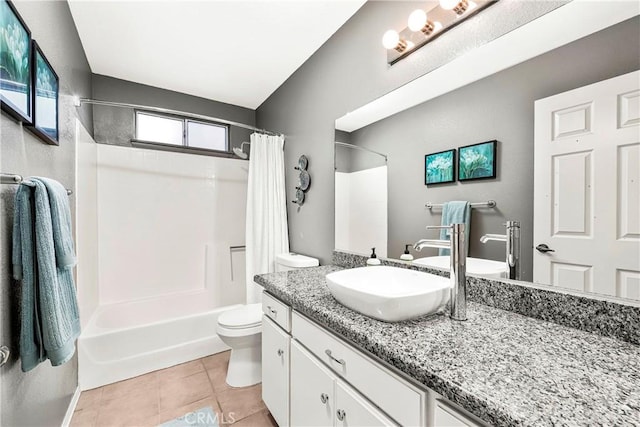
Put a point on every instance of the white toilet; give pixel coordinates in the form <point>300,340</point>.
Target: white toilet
<point>241,329</point>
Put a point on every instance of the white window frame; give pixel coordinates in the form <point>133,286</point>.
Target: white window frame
<point>184,147</point>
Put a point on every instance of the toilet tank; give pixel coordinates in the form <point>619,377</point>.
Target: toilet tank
<point>291,261</point>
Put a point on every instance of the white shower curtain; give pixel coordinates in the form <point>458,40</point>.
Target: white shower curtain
<point>267,234</point>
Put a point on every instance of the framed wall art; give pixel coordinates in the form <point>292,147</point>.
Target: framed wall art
<point>15,64</point>
<point>477,161</point>
<point>439,168</point>
<point>45,98</point>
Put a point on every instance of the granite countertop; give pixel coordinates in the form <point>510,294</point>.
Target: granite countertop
<point>505,368</point>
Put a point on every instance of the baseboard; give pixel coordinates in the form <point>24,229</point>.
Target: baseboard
<point>72,408</point>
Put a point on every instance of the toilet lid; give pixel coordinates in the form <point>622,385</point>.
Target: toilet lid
<point>243,317</point>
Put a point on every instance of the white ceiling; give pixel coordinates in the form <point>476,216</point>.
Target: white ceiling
<point>238,52</point>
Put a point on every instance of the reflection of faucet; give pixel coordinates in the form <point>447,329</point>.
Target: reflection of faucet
<point>458,274</point>
<point>512,241</point>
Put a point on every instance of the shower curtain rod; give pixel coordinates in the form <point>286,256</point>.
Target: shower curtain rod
<point>175,112</point>
<point>356,147</point>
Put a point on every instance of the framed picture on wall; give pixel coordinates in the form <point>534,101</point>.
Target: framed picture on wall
<point>15,64</point>
<point>45,98</point>
<point>477,161</point>
<point>439,167</point>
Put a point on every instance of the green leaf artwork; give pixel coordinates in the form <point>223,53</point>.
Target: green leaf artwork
<point>477,161</point>
<point>439,167</point>
<point>14,52</point>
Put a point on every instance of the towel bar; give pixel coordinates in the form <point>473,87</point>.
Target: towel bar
<point>12,178</point>
<point>487,204</point>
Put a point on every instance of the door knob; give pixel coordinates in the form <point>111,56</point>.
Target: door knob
<point>544,248</point>
<point>4,354</point>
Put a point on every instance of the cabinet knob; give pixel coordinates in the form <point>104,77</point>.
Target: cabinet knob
<point>341,414</point>
<point>280,352</point>
<point>272,311</point>
<point>324,398</point>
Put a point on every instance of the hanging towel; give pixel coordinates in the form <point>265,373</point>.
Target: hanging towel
<point>457,212</point>
<point>44,261</point>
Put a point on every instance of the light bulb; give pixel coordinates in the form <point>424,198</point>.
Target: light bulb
<point>390,39</point>
<point>449,4</point>
<point>417,19</point>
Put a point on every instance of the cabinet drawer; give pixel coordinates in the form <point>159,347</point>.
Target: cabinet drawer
<point>277,311</point>
<point>398,398</point>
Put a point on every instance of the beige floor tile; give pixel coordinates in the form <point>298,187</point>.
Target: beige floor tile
<point>242,402</point>
<point>90,399</point>
<point>132,385</point>
<point>259,419</point>
<point>84,418</point>
<point>135,408</point>
<point>218,378</point>
<point>183,391</point>
<point>181,371</point>
<point>216,360</point>
<point>172,414</point>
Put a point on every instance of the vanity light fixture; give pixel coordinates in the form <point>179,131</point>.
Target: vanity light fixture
<point>425,26</point>
<point>458,6</point>
<point>418,21</point>
<point>391,40</point>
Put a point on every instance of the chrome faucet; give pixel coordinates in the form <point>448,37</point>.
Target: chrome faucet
<point>512,242</point>
<point>458,274</point>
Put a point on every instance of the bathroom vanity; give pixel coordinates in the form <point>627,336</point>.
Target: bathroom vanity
<point>324,364</point>
<point>306,380</point>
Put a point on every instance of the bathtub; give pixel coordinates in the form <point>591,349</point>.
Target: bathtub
<point>129,339</point>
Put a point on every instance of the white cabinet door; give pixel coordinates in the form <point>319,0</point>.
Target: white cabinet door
<point>353,410</point>
<point>275,370</point>
<point>312,394</point>
<point>587,188</point>
<point>446,416</point>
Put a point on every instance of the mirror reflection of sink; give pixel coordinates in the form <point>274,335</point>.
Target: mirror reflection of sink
<point>478,266</point>
<point>388,293</point>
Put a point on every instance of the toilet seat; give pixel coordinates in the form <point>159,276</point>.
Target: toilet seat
<point>243,321</point>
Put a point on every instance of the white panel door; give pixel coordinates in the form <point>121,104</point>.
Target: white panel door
<point>587,188</point>
<point>312,390</point>
<point>275,370</point>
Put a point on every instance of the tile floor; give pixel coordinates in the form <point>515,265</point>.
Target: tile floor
<point>160,396</point>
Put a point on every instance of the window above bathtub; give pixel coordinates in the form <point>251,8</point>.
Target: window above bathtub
<point>175,133</point>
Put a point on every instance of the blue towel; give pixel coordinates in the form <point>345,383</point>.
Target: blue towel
<point>455,213</point>
<point>43,258</point>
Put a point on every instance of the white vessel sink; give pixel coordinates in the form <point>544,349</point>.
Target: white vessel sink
<point>479,266</point>
<point>388,293</point>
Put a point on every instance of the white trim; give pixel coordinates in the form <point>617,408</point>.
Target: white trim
<point>72,408</point>
<point>563,25</point>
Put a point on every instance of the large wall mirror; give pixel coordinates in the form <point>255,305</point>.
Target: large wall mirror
<point>380,161</point>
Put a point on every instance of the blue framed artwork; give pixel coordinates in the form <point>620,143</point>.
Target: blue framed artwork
<point>45,98</point>
<point>439,167</point>
<point>477,161</point>
<point>15,64</point>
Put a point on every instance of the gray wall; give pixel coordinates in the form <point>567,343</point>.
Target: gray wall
<point>497,107</point>
<point>41,396</point>
<point>350,70</point>
<point>116,125</point>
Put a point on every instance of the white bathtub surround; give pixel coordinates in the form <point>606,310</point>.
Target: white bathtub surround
<point>167,257</point>
<point>129,339</point>
<point>361,210</point>
<point>266,225</point>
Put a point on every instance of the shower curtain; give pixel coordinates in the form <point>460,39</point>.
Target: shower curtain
<point>267,234</point>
